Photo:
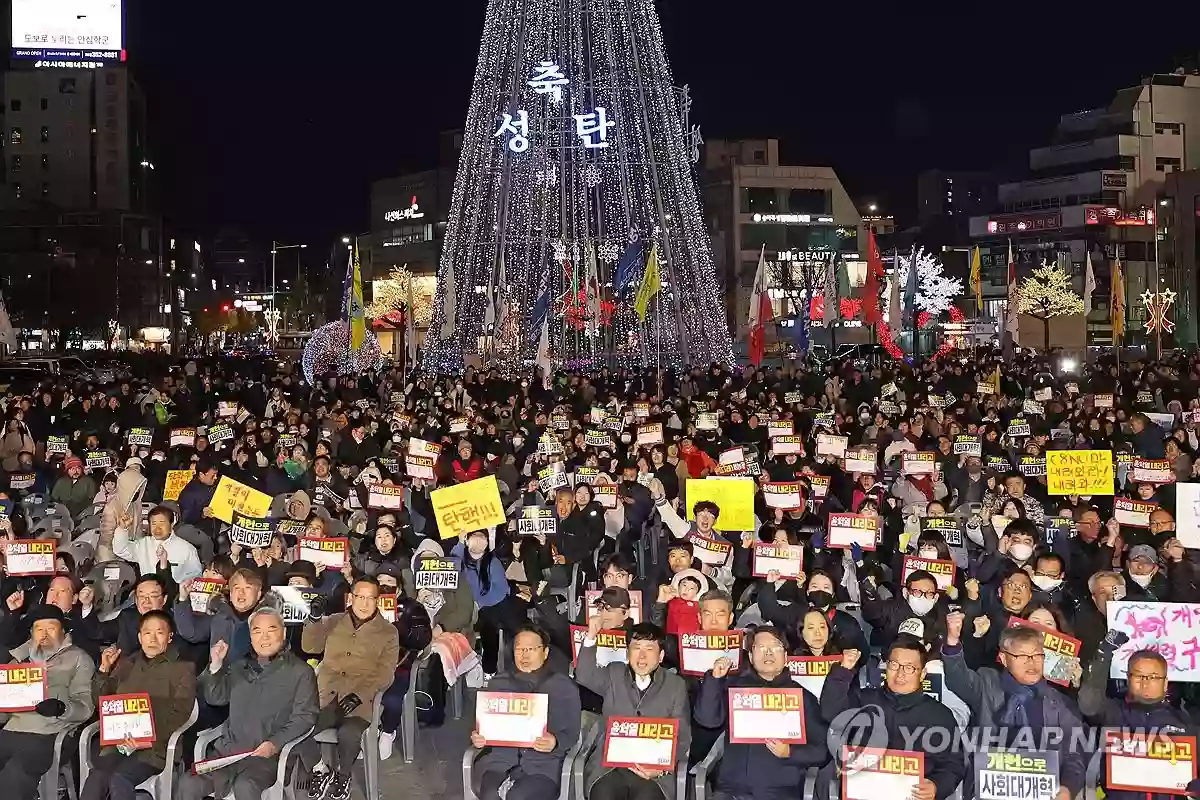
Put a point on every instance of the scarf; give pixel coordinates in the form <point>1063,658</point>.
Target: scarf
<point>923,484</point>
<point>1018,697</point>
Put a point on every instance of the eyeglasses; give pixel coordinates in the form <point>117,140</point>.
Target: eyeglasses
<point>906,670</point>
<point>1025,658</point>
<point>1133,676</point>
<point>930,595</point>
<point>768,649</point>
<point>619,574</point>
<point>524,651</point>
<point>1014,586</point>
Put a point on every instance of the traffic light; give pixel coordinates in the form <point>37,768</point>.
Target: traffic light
<point>225,307</point>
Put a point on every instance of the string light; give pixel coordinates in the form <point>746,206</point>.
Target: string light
<point>935,291</point>
<point>328,349</point>
<point>503,214</point>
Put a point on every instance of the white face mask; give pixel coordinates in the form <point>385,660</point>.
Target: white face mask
<point>518,441</point>
<point>920,605</point>
<point>928,552</point>
<point>1020,552</point>
<point>1046,583</point>
<point>1142,580</point>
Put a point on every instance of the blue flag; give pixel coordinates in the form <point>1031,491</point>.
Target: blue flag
<point>540,309</point>
<point>628,266</point>
<point>910,291</point>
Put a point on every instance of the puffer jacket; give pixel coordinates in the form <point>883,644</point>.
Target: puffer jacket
<point>69,673</point>
<point>359,658</point>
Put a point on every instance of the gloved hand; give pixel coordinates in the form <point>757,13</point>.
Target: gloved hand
<point>1112,642</point>
<point>316,607</point>
<point>817,541</point>
<point>348,703</point>
<point>52,707</point>
<point>856,553</point>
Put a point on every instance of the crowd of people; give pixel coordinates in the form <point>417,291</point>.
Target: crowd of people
<point>879,542</point>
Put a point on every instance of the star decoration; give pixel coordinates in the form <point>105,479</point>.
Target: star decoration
<point>1158,304</point>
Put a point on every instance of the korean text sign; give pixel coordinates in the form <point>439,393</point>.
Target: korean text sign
<point>1137,761</point>
<point>1011,773</point>
<point>640,742</point>
<point>22,686</point>
<point>30,557</point>
<point>126,715</point>
<point>467,507</point>
<point>1079,472</point>
<point>511,719</point>
<point>734,496</point>
<point>756,715</point>
<point>232,496</point>
<point>871,773</point>
<point>1171,629</point>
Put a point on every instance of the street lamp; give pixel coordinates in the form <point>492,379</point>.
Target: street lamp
<point>345,240</point>
<point>275,248</point>
<point>872,208</point>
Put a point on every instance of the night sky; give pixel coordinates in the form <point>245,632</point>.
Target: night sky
<point>276,121</point>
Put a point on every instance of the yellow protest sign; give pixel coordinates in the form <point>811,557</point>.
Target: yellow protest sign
<point>734,496</point>
<point>232,496</point>
<point>176,480</point>
<point>467,507</point>
<point>1079,472</point>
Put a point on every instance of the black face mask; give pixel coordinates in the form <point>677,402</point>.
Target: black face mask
<point>820,599</point>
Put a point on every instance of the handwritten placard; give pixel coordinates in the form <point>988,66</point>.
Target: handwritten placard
<point>22,687</point>
<point>177,480</point>
<point>30,557</point>
<point>1079,472</point>
<point>467,507</point>
<point>126,716</point>
<point>1172,629</point>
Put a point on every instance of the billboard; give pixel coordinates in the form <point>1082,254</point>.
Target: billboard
<point>75,32</point>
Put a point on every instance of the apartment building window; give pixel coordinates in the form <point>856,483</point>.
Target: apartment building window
<point>15,136</point>
<point>1167,164</point>
<point>760,156</point>
<point>45,104</point>
<point>808,201</point>
<point>1172,128</point>
<point>16,163</point>
<point>15,105</point>
<point>1126,162</point>
<point>760,200</point>
<point>45,134</point>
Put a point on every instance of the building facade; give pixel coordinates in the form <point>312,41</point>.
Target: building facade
<point>798,218</point>
<point>1097,190</point>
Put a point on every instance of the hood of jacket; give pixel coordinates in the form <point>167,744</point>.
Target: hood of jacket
<point>131,485</point>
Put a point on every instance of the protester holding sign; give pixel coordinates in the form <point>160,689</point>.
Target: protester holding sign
<point>776,768</point>
<point>534,771</point>
<point>1017,697</point>
<point>27,738</point>
<point>154,669</point>
<point>499,609</point>
<point>641,688</point>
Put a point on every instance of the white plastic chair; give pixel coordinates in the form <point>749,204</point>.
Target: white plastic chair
<point>328,738</point>
<point>59,769</point>
<point>564,781</point>
<point>160,786</point>
<point>283,789</point>
<point>591,739</point>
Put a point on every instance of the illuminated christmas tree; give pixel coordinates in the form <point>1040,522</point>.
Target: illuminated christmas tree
<point>1047,293</point>
<point>577,151</point>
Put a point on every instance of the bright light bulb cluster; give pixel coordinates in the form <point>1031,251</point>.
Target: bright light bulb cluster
<point>1048,292</point>
<point>328,349</point>
<point>935,291</point>
<point>537,209</point>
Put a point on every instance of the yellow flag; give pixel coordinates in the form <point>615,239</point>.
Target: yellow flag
<point>994,380</point>
<point>1117,301</point>
<point>651,284</point>
<point>977,281</point>
<point>358,327</point>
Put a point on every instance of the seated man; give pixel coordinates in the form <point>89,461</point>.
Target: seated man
<point>534,772</point>
<point>63,593</point>
<point>906,708</point>
<point>149,594</point>
<point>640,689</point>
<point>162,549</point>
<point>27,740</point>
<point>1018,697</point>
<point>361,652</point>
<point>156,670</point>
<point>272,699</point>
<point>776,769</point>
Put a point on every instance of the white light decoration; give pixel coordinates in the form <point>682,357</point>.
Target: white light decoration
<point>1157,305</point>
<point>1047,293</point>
<point>935,291</point>
<point>328,350</point>
<point>272,315</point>
<point>592,176</point>
<point>591,76</point>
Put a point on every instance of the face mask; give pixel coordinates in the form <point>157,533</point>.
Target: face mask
<point>518,441</point>
<point>1046,583</point>
<point>1142,580</point>
<point>626,438</point>
<point>864,418</point>
<point>1020,552</point>
<point>921,605</point>
<point>477,550</point>
<point>929,552</point>
<point>820,599</point>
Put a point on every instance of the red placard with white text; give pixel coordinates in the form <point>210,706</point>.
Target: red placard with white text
<point>762,714</point>
<point>511,719</point>
<point>647,742</point>
<point>126,715</point>
<point>22,687</point>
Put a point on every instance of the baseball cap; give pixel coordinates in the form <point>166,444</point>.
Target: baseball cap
<point>1143,551</point>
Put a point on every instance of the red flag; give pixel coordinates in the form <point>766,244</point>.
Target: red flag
<point>874,274</point>
<point>760,310</point>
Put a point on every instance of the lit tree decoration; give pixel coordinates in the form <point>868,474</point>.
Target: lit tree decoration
<point>557,85</point>
<point>1157,305</point>
<point>390,300</point>
<point>272,315</point>
<point>935,291</point>
<point>328,349</point>
<point>1047,293</point>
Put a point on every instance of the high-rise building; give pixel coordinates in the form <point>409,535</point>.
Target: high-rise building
<point>1096,189</point>
<point>800,217</point>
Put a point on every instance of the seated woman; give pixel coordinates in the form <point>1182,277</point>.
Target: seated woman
<point>170,681</point>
